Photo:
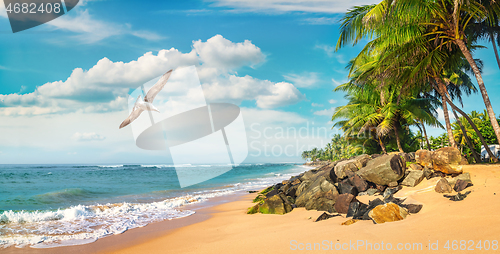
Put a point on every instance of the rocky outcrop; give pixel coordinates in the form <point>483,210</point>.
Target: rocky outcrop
<point>424,158</point>
<point>387,213</point>
<point>383,170</point>
<point>447,160</point>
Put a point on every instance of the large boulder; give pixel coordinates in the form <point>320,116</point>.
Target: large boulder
<point>319,195</point>
<point>424,158</point>
<point>343,202</point>
<point>343,168</point>
<point>277,204</point>
<point>443,186</point>
<point>413,178</point>
<point>383,170</point>
<point>387,213</point>
<point>415,166</point>
<point>447,160</point>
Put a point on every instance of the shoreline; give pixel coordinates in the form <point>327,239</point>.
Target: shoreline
<point>224,227</point>
<point>134,236</point>
<point>230,230</point>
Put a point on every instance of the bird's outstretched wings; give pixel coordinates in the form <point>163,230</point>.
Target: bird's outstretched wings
<point>153,91</point>
<point>136,112</point>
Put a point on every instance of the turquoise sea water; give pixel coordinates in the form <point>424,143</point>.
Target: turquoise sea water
<point>44,204</point>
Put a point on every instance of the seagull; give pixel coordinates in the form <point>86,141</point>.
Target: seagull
<point>146,104</point>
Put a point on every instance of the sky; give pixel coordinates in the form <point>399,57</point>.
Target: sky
<point>65,84</point>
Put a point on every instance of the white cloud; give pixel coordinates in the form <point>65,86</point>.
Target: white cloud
<point>89,29</point>
<point>87,136</point>
<point>222,53</point>
<point>332,101</point>
<point>283,6</point>
<point>307,79</point>
<point>317,105</point>
<point>104,87</point>
<point>325,112</point>
<point>321,21</point>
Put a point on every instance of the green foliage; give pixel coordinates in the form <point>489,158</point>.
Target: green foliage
<point>482,121</point>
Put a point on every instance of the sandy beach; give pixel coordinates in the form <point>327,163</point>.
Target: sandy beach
<point>226,228</point>
<point>230,230</point>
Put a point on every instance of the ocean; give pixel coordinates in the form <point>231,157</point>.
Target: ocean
<point>45,205</point>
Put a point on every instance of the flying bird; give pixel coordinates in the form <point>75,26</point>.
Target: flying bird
<point>146,104</point>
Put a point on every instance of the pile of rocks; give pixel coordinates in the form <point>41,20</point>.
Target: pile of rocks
<point>334,187</point>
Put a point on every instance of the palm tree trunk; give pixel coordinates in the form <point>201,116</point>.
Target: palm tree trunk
<point>469,143</point>
<point>382,145</point>
<point>441,92</point>
<point>425,135</point>
<point>448,124</point>
<point>482,88</point>
<point>398,141</point>
<point>494,43</point>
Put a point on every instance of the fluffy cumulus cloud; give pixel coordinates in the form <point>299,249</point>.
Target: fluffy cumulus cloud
<point>87,136</point>
<point>105,86</point>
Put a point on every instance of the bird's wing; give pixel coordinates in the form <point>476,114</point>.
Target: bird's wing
<point>150,96</point>
<point>136,113</point>
<point>135,104</point>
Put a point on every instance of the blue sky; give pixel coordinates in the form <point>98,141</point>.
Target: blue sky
<point>64,84</point>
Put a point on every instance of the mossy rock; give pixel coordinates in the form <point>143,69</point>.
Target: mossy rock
<point>268,189</point>
<point>254,209</point>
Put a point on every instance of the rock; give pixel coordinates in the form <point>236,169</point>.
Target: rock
<point>412,208</point>
<point>346,187</point>
<point>458,197</point>
<point>357,209</point>
<point>413,178</point>
<point>371,204</point>
<point>412,156</point>
<point>319,195</point>
<point>352,165</point>
<point>415,166</point>
<point>272,193</point>
<point>296,181</point>
<point>326,216</point>
<point>342,167</point>
<point>253,191</point>
<point>291,192</point>
<point>277,204</point>
<point>302,187</point>
<point>393,184</point>
<point>427,172</point>
<point>464,161</point>
<point>443,186</point>
<point>447,160</point>
<point>343,202</point>
<point>358,182</point>
<point>387,213</point>
<point>349,222</point>
<point>253,209</point>
<point>460,185</point>
<point>464,177</point>
<point>424,158</point>
<point>383,170</point>
<point>390,191</point>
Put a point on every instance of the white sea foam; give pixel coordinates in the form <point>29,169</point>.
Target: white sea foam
<point>110,166</point>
